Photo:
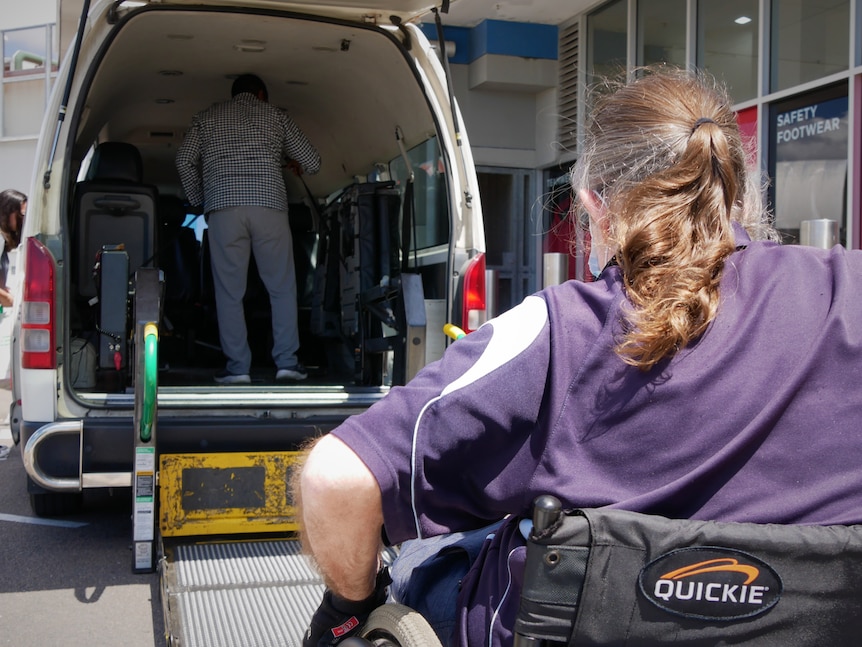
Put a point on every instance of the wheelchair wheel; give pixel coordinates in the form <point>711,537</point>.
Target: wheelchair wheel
<point>395,625</point>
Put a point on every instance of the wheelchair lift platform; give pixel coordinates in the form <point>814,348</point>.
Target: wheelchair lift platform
<point>234,593</point>
<point>215,524</point>
<point>231,569</point>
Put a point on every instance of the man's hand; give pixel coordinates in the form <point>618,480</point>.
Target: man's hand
<point>337,618</point>
<point>295,167</point>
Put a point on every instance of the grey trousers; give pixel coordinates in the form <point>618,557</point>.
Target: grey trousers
<point>234,234</point>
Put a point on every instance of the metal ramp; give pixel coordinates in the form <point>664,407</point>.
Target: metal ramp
<point>238,594</point>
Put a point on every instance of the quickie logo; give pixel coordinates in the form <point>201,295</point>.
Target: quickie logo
<point>711,583</point>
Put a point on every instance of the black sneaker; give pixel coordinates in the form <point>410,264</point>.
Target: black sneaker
<point>296,372</point>
<point>225,377</point>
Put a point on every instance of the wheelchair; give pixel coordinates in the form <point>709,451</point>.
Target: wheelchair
<point>613,577</point>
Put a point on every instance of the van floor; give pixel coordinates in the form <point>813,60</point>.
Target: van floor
<point>260,376</point>
<point>110,381</point>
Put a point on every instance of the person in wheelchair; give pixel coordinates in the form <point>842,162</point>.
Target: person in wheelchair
<point>709,373</point>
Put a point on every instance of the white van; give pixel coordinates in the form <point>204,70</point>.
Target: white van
<point>388,236</point>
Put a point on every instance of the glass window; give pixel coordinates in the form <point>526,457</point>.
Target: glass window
<point>431,213</point>
<point>661,32</point>
<point>808,141</point>
<point>810,40</point>
<point>747,122</point>
<point>607,42</point>
<point>197,223</point>
<point>728,42</point>
<point>26,50</point>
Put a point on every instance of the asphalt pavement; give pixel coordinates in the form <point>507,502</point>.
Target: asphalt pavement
<point>68,582</point>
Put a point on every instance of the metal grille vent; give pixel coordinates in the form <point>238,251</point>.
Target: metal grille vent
<point>568,88</point>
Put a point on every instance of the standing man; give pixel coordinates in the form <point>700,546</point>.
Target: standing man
<point>231,163</point>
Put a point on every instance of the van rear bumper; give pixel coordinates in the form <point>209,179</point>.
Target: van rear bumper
<point>76,454</point>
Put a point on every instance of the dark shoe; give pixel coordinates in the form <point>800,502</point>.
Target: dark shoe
<point>224,377</point>
<point>296,372</point>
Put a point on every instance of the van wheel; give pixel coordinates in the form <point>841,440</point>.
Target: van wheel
<point>394,625</point>
<point>56,504</point>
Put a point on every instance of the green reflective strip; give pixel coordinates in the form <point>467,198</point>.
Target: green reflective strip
<point>151,373</point>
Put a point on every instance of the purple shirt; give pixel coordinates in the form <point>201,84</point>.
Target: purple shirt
<point>758,420</point>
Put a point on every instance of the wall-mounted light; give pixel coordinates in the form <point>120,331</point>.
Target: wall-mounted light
<point>450,47</point>
<point>742,20</point>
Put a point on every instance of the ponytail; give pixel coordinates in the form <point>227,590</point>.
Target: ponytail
<point>674,250</point>
<point>667,153</point>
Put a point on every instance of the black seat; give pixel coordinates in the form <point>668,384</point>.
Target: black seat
<point>114,207</point>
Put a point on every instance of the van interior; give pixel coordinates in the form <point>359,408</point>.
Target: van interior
<point>377,210</point>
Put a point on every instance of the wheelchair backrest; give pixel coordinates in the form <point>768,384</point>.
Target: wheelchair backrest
<point>612,577</point>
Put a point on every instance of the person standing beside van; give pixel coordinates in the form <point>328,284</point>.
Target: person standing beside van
<point>13,208</point>
<point>230,164</point>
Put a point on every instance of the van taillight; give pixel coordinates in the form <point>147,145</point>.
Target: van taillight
<point>37,308</point>
<point>473,312</point>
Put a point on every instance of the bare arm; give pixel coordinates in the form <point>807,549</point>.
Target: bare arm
<point>342,517</point>
<point>6,299</point>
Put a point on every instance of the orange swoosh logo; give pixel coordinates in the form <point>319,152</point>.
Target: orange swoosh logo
<point>712,566</point>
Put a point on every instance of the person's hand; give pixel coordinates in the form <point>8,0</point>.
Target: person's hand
<point>295,167</point>
<point>6,298</point>
<point>337,618</point>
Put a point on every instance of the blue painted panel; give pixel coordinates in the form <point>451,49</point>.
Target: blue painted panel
<point>527,40</point>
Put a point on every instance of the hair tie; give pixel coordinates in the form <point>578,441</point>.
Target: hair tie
<point>700,122</point>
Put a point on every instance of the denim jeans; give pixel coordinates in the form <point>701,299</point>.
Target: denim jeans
<point>427,574</point>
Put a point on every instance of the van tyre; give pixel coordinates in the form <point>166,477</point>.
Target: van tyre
<point>395,625</point>
<point>56,504</point>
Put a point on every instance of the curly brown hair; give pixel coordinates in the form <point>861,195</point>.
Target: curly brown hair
<point>665,153</point>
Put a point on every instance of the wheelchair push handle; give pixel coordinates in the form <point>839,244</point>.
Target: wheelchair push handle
<point>546,510</point>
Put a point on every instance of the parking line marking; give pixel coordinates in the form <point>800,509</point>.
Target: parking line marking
<point>59,523</point>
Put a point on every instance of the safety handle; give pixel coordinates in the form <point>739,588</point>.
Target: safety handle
<point>453,331</point>
<point>151,374</point>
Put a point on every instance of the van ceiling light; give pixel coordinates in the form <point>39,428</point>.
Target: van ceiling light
<point>742,20</point>
<point>170,72</point>
<point>164,101</point>
<point>250,46</point>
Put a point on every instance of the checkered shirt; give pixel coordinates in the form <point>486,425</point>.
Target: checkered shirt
<point>234,151</point>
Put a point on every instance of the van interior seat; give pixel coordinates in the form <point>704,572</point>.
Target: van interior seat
<point>114,207</point>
